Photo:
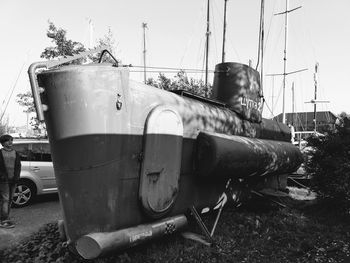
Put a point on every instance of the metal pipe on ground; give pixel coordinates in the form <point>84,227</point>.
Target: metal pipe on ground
<point>94,245</point>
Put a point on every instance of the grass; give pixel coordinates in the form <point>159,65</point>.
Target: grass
<point>260,231</point>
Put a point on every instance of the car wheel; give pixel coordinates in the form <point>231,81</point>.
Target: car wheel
<point>24,194</point>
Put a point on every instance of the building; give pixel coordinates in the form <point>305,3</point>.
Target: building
<point>304,121</point>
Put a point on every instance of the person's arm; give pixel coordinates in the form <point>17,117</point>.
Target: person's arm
<point>18,167</point>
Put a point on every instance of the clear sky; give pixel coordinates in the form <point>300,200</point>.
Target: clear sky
<point>317,32</point>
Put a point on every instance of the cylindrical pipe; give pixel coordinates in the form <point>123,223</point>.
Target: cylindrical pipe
<point>96,244</point>
<point>233,156</point>
<point>35,88</point>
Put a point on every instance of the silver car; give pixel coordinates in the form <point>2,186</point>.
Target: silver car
<point>37,174</point>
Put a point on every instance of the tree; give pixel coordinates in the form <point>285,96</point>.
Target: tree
<point>63,46</point>
<point>329,165</point>
<point>108,41</point>
<point>27,102</point>
<point>180,82</point>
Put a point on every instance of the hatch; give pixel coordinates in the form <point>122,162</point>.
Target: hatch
<point>161,164</point>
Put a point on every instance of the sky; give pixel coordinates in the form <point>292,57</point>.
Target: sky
<point>318,32</point>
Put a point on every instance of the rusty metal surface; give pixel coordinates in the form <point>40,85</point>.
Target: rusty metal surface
<point>36,90</point>
<point>160,173</point>
<point>221,155</point>
<point>96,125</point>
<point>96,244</point>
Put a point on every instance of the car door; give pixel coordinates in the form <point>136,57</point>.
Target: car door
<point>41,165</point>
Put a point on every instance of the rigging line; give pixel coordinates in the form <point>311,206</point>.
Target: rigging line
<point>13,88</point>
<point>277,41</point>
<point>6,96</point>
<point>278,38</point>
<point>200,57</point>
<point>214,29</point>
<point>167,68</point>
<point>167,71</point>
<point>297,40</point>
<point>275,119</point>
<point>274,106</point>
<point>233,47</point>
<point>228,39</point>
<point>279,94</point>
<point>300,122</point>
<point>269,29</point>
<point>307,32</point>
<point>261,33</point>
<point>4,101</point>
<point>189,42</point>
<point>321,88</point>
<point>203,65</point>
<point>267,105</point>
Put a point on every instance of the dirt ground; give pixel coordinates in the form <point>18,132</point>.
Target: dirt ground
<point>29,219</point>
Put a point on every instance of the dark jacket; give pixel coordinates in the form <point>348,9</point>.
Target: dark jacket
<point>3,170</point>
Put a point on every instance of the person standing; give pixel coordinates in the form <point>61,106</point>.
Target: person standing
<point>10,169</point>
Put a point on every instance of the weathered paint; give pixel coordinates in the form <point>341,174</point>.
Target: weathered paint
<point>231,156</point>
<point>96,244</point>
<point>238,86</point>
<point>96,121</point>
<point>161,161</point>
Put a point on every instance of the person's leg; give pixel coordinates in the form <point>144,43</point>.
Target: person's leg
<point>4,201</point>
<point>12,188</point>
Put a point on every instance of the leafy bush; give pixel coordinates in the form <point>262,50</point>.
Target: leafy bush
<point>329,166</point>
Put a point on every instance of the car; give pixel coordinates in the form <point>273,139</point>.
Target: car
<point>37,174</point>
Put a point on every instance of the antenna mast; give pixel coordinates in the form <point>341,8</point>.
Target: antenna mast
<point>315,101</point>
<point>144,26</point>
<point>91,33</point>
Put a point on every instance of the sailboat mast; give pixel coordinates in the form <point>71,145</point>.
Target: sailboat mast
<point>144,26</point>
<point>207,47</point>
<point>224,34</point>
<point>262,45</point>
<point>293,105</point>
<point>315,97</point>
<point>285,62</point>
<point>285,57</point>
